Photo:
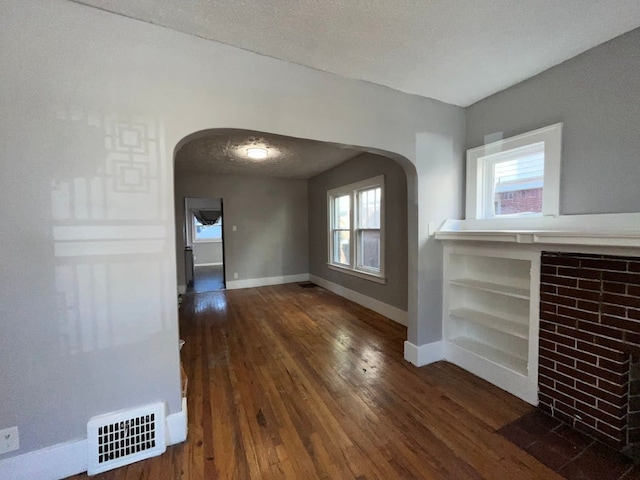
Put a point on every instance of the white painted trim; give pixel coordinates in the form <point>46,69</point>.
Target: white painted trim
<point>52,463</point>
<point>389,311</point>
<point>424,354</point>
<point>182,289</point>
<point>177,425</point>
<point>372,277</point>
<point>219,240</point>
<point>522,386</point>
<point>212,264</point>
<point>262,282</point>
<point>352,190</point>
<point>603,230</point>
<point>476,174</point>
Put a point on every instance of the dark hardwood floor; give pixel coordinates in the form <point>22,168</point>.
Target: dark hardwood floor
<point>207,278</point>
<point>298,383</point>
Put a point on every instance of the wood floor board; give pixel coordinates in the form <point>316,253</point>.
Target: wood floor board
<point>298,383</point>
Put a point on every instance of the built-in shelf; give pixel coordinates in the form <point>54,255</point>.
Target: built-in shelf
<point>499,357</point>
<point>491,287</point>
<point>503,325</point>
<point>500,289</point>
<point>490,319</point>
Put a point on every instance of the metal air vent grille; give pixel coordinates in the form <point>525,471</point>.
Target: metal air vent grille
<point>125,437</point>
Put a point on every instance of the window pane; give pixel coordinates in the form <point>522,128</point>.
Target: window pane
<point>369,249</point>
<point>369,208</point>
<point>341,208</point>
<point>208,232</point>
<point>341,250</point>
<point>517,184</point>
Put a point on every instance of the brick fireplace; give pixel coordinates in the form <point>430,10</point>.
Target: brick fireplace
<point>589,367</point>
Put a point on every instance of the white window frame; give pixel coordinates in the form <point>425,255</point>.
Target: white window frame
<point>193,232</point>
<point>352,191</point>
<point>481,159</point>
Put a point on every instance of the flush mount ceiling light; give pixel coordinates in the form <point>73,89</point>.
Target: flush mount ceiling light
<point>257,153</point>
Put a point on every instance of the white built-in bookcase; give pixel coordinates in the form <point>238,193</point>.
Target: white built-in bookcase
<point>490,314</point>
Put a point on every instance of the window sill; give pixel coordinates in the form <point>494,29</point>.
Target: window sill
<point>207,241</point>
<point>358,273</point>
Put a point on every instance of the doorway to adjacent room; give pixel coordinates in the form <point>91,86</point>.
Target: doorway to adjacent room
<point>204,253</point>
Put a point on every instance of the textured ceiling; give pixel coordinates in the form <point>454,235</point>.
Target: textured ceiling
<point>224,152</point>
<point>456,51</point>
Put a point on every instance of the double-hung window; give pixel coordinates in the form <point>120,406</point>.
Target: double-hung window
<point>518,176</point>
<point>356,222</point>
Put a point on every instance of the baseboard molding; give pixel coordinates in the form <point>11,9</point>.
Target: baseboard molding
<point>182,289</point>
<point>214,264</point>
<point>53,463</point>
<point>394,313</point>
<point>177,425</point>
<point>67,459</point>
<point>423,354</point>
<point>265,281</point>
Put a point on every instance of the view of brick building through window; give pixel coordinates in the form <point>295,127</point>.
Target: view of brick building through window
<point>518,201</point>
<point>518,181</point>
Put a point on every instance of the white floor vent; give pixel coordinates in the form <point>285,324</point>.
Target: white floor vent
<point>121,438</point>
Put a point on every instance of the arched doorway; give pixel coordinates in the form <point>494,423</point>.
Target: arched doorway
<point>264,199</point>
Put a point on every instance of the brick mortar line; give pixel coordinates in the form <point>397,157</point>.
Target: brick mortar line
<point>585,361</point>
<point>599,399</point>
<point>577,388</point>
<point>589,332</point>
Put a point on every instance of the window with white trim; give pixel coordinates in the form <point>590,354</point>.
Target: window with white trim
<point>518,176</point>
<point>356,223</point>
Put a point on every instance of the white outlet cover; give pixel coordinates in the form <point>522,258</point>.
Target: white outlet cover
<point>9,440</point>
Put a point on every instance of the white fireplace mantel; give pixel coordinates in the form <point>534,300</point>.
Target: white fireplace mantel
<point>620,230</point>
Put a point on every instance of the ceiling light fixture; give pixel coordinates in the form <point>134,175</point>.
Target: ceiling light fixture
<point>257,153</point>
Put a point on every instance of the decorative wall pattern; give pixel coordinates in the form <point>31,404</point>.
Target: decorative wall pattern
<point>96,245</point>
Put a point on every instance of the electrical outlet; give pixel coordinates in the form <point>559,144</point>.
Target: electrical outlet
<point>9,440</point>
<point>235,275</point>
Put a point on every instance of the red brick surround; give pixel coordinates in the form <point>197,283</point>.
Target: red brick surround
<point>589,328</point>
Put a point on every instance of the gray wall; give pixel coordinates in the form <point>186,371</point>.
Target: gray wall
<point>597,96</point>
<point>84,81</point>
<point>207,252</point>
<point>271,219</point>
<point>394,292</point>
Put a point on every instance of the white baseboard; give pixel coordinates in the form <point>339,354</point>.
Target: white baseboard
<point>394,313</point>
<point>53,463</point>
<point>67,459</point>
<point>182,289</point>
<point>265,281</point>
<point>423,354</point>
<point>177,425</point>
<point>214,264</point>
